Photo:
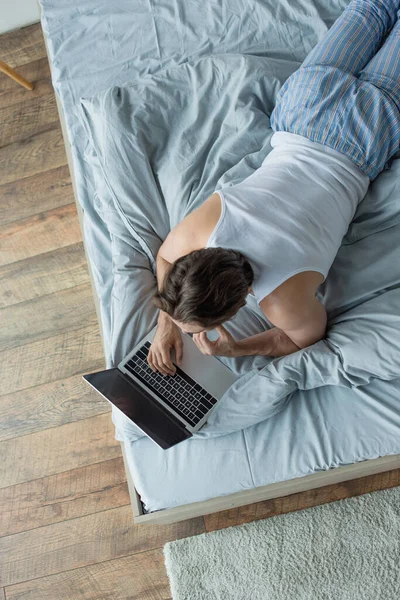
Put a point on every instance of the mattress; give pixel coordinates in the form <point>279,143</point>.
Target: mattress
<point>120,70</point>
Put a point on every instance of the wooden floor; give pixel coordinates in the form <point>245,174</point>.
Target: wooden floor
<point>66,528</point>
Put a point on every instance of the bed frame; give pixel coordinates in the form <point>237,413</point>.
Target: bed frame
<point>274,490</point>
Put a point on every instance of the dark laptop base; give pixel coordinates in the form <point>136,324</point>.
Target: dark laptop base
<point>140,407</point>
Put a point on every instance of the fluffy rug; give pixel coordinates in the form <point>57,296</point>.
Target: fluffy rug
<point>345,550</point>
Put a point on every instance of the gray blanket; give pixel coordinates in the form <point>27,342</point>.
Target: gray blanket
<point>158,148</point>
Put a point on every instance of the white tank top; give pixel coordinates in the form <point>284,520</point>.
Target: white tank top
<point>291,214</point>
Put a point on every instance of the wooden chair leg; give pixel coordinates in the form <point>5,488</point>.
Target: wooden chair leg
<point>14,75</point>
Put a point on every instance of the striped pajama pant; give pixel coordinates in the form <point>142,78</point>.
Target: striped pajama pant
<point>346,94</point>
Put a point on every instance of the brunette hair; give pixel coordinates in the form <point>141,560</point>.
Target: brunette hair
<point>206,286</point>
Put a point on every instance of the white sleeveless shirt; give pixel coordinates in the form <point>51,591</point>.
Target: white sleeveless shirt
<point>291,214</point>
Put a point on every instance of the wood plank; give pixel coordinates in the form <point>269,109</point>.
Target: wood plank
<point>23,120</point>
<point>54,358</point>
<point>83,541</point>
<point>37,194</point>
<point>34,71</point>
<point>34,155</point>
<point>43,87</point>
<point>66,310</point>
<point>302,500</point>
<point>2,594</point>
<point>43,274</point>
<point>58,449</point>
<point>50,405</point>
<point>64,496</point>
<point>40,233</point>
<point>138,576</point>
<point>22,46</point>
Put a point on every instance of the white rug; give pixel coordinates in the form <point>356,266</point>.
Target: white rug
<point>345,550</point>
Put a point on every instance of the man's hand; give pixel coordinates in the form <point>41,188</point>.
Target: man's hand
<point>225,345</point>
<point>167,337</point>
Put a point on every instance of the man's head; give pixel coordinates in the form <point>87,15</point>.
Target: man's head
<point>205,288</point>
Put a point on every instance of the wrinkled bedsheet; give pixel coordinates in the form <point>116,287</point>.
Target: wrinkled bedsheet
<point>164,103</point>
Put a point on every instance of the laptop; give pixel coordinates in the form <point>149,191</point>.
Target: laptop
<point>167,408</point>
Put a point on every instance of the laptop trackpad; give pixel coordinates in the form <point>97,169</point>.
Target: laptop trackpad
<point>145,412</point>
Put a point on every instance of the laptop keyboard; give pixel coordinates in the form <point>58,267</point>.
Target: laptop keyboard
<point>186,397</point>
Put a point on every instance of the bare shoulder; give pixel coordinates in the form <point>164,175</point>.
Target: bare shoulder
<point>193,232</point>
<point>296,290</point>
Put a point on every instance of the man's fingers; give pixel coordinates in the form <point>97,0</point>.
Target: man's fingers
<point>150,360</point>
<point>179,352</point>
<point>159,365</point>
<point>168,365</point>
<point>208,344</point>
<point>222,331</point>
<point>197,340</point>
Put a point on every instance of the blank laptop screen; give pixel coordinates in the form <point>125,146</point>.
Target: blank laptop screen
<point>137,406</point>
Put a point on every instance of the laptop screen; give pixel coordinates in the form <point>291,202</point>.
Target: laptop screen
<point>138,406</point>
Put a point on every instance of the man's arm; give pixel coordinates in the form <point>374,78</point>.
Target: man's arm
<point>273,342</point>
<point>296,326</point>
<point>304,323</point>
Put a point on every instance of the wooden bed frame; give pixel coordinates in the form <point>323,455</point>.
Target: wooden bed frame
<point>274,490</point>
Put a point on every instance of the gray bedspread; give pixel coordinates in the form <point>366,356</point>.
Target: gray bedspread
<point>161,145</point>
<point>164,103</point>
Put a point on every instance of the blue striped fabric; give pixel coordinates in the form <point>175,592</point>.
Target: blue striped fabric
<point>346,94</point>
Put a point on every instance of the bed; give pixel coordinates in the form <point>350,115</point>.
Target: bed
<point>161,104</point>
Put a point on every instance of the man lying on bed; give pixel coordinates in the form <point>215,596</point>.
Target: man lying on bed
<point>336,124</point>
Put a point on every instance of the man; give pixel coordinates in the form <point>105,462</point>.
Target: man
<point>276,234</point>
